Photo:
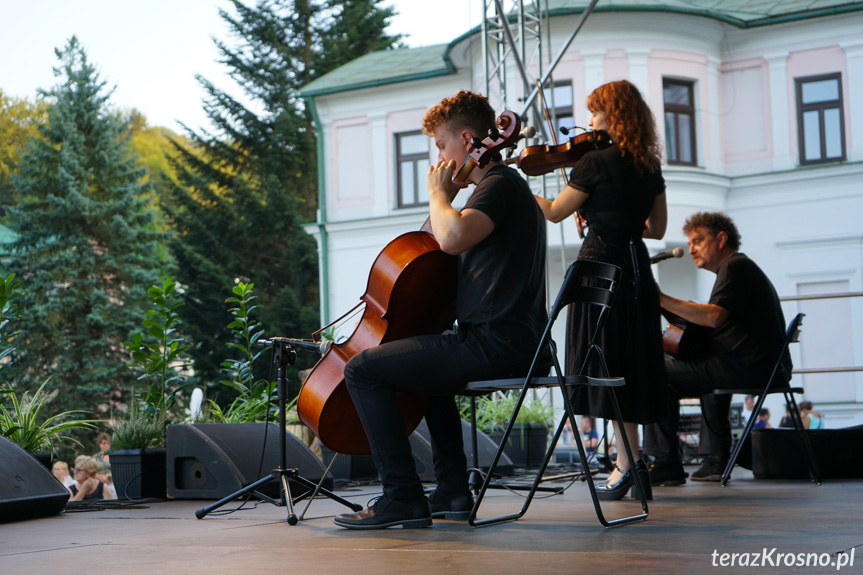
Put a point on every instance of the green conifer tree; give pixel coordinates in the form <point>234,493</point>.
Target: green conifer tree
<point>85,249</point>
<point>248,185</point>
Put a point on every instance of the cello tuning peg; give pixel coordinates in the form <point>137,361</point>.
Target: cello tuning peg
<point>476,143</point>
<point>493,133</point>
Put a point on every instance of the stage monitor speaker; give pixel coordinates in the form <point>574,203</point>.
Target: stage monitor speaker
<point>422,451</point>
<point>27,488</point>
<point>213,460</point>
<point>778,453</point>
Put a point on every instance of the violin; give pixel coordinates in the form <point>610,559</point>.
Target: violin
<point>545,158</point>
<point>508,125</point>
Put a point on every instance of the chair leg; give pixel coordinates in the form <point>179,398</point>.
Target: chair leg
<point>474,475</point>
<point>747,429</point>
<point>811,462</point>
<point>641,490</point>
<point>472,520</point>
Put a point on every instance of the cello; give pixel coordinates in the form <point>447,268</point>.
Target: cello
<point>411,291</point>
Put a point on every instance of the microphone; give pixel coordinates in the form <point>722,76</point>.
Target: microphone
<point>675,253</point>
<point>565,131</point>
<point>321,347</point>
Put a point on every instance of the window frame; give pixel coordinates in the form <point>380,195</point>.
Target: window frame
<point>680,110</point>
<point>414,158</point>
<point>565,111</point>
<point>820,107</point>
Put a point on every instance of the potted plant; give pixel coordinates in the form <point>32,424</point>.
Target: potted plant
<point>529,438</point>
<point>138,457</point>
<point>22,421</point>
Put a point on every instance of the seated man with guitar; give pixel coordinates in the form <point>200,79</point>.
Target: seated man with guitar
<point>745,330</point>
<point>500,244</point>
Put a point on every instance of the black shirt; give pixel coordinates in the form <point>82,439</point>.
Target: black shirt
<point>754,332</point>
<point>501,280</point>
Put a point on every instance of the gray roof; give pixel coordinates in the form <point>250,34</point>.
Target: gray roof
<point>405,64</point>
<point>384,67</point>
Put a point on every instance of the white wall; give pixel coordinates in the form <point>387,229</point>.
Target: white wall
<point>801,225</point>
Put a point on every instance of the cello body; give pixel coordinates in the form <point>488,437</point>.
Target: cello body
<point>411,291</point>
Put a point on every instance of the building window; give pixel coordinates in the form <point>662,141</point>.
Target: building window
<point>412,161</point>
<point>561,103</point>
<point>679,101</point>
<point>819,117</point>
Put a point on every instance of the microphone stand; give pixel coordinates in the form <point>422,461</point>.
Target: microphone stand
<point>284,355</point>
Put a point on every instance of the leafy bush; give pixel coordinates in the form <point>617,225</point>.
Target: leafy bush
<point>162,362</point>
<point>20,421</point>
<point>253,395</point>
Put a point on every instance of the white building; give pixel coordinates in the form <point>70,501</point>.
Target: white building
<point>762,103</point>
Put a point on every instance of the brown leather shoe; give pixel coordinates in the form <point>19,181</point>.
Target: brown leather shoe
<point>388,513</point>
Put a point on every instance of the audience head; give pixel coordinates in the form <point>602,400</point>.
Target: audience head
<point>103,440</point>
<point>86,469</point>
<point>60,469</point>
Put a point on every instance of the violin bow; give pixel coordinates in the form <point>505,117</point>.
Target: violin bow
<point>578,219</point>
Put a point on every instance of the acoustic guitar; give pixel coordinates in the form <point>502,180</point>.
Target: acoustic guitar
<point>684,340</point>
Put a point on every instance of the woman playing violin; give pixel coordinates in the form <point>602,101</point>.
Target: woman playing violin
<point>621,192</point>
<point>499,240</point>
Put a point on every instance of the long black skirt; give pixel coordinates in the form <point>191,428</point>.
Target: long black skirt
<point>631,339</point>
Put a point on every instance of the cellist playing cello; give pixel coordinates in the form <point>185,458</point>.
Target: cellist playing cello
<point>500,244</point>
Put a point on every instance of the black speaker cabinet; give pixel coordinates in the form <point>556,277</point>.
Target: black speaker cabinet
<point>214,460</point>
<point>360,467</point>
<point>779,453</point>
<point>27,488</point>
<point>422,451</point>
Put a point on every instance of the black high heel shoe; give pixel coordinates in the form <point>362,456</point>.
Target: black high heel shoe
<point>617,490</point>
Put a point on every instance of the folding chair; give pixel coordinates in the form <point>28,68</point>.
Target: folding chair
<point>586,282</point>
<point>791,335</point>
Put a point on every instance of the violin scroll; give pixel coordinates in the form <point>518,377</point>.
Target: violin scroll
<point>503,135</point>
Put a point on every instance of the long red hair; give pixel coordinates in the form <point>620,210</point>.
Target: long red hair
<point>630,122</point>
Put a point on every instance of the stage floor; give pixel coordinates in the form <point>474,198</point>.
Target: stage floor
<point>689,529</point>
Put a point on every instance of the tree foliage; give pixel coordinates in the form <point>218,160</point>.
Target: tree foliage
<point>248,184</point>
<point>85,247</point>
<point>19,122</point>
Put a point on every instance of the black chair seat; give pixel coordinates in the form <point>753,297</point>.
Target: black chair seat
<point>538,382</point>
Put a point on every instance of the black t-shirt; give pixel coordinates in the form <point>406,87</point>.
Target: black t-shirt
<point>501,280</point>
<point>754,332</point>
<point>620,197</point>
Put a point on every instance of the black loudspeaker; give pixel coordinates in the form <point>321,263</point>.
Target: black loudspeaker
<point>422,451</point>
<point>779,453</point>
<point>214,460</point>
<point>27,488</point>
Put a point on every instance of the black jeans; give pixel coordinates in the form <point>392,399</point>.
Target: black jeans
<point>435,365</point>
<point>698,378</point>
